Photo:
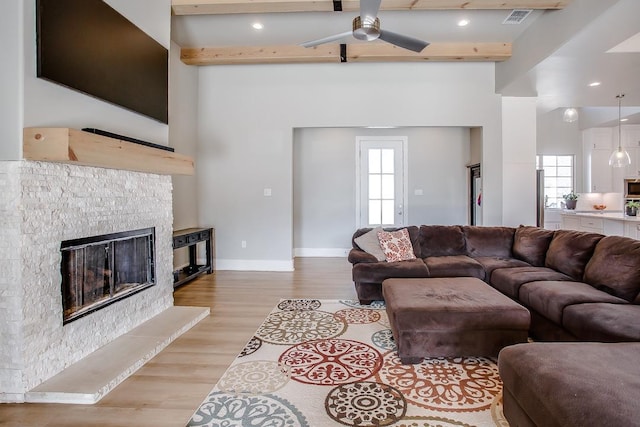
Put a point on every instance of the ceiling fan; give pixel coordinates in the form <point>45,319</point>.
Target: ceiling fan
<point>367,27</point>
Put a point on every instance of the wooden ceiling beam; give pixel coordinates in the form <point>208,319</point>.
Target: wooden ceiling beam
<point>260,55</point>
<point>213,7</point>
<point>358,52</point>
<point>435,52</point>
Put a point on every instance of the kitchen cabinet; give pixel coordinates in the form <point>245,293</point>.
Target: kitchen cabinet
<point>609,224</point>
<point>552,219</point>
<point>612,227</point>
<point>570,223</point>
<point>598,138</point>
<point>597,145</point>
<point>631,142</point>
<point>632,229</point>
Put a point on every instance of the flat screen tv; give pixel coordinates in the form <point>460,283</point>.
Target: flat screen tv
<point>88,46</point>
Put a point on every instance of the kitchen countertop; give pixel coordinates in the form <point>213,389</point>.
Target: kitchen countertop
<point>615,215</point>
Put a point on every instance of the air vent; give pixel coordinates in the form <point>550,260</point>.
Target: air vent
<point>517,16</point>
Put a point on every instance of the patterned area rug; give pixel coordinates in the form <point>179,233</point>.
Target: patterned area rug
<point>333,363</point>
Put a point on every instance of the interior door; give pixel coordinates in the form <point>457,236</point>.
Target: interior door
<point>381,181</point>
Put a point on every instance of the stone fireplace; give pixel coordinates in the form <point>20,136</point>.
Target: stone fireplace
<point>44,204</point>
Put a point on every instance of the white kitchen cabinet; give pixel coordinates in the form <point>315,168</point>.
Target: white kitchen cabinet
<point>598,138</point>
<point>612,227</point>
<point>592,225</point>
<point>597,145</point>
<point>631,142</point>
<point>570,223</point>
<point>613,224</point>
<point>601,174</point>
<point>632,229</point>
<point>630,135</point>
<point>552,219</point>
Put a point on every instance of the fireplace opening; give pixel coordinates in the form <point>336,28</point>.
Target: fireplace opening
<point>100,270</point>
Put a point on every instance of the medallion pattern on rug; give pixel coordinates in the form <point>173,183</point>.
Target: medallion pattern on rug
<point>334,363</point>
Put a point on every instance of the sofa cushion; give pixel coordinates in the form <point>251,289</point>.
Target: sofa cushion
<point>441,240</point>
<point>615,267</point>
<point>376,272</point>
<point>569,251</point>
<point>357,255</point>
<point>370,243</point>
<point>603,322</point>
<point>414,235</point>
<point>491,263</point>
<point>549,298</point>
<point>396,245</point>
<point>530,244</point>
<point>509,280</point>
<point>489,241</point>
<point>454,266</point>
<point>572,384</point>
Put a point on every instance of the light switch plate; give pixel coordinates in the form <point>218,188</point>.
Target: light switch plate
<point>267,192</point>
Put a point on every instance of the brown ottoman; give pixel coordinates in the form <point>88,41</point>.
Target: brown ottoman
<point>452,316</point>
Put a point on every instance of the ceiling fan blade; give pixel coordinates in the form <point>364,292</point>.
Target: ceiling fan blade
<point>329,39</point>
<point>403,41</point>
<point>369,10</point>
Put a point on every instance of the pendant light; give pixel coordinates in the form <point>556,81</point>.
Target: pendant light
<point>619,158</point>
<point>570,115</point>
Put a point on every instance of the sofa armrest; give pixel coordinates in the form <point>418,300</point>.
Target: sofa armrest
<point>358,255</point>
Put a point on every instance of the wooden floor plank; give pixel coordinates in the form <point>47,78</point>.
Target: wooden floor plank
<point>170,387</point>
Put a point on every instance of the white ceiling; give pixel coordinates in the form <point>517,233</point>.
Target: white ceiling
<point>556,54</point>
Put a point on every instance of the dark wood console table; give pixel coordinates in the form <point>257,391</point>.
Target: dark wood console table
<point>190,237</point>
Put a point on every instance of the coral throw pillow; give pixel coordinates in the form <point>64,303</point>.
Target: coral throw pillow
<point>396,245</point>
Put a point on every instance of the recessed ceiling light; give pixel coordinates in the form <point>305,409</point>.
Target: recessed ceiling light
<point>594,84</point>
<point>257,26</point>
<point>624,120</point>
<point>463,23</point>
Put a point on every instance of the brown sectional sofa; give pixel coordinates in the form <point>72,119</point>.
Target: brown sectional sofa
<point>578,286</point>
<point>582,289</point>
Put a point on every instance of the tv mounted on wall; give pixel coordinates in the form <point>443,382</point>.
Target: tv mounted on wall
<point>88,46</point>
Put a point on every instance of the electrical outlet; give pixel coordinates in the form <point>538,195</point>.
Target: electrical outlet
<point>243,244</point>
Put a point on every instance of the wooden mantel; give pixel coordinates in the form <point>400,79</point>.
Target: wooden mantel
<point>65,145</point>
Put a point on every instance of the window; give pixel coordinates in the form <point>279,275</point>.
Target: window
<point>381,186</point>
<point>558,178</point>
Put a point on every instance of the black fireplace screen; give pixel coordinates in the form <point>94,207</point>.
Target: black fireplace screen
<point>100,270</point>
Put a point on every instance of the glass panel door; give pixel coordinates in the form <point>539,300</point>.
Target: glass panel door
<point>381,181</point>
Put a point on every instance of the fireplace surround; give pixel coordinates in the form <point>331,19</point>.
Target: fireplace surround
<point>41,205</point>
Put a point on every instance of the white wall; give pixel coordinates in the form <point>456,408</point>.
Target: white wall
<point>183,103</point>
<point>519,161</point>
<point>183,136</point>
<point>246,118</point>
<point>324,182</point>
<point>11,45</point>
<point>50,104</point>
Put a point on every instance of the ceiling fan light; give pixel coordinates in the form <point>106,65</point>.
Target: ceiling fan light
<point>570,115</point>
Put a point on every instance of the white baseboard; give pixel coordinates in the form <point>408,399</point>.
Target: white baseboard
<point>321,252</point>
<point>254,264</point>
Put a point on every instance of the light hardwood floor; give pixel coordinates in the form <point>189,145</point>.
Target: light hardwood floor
<point>170,387</point>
